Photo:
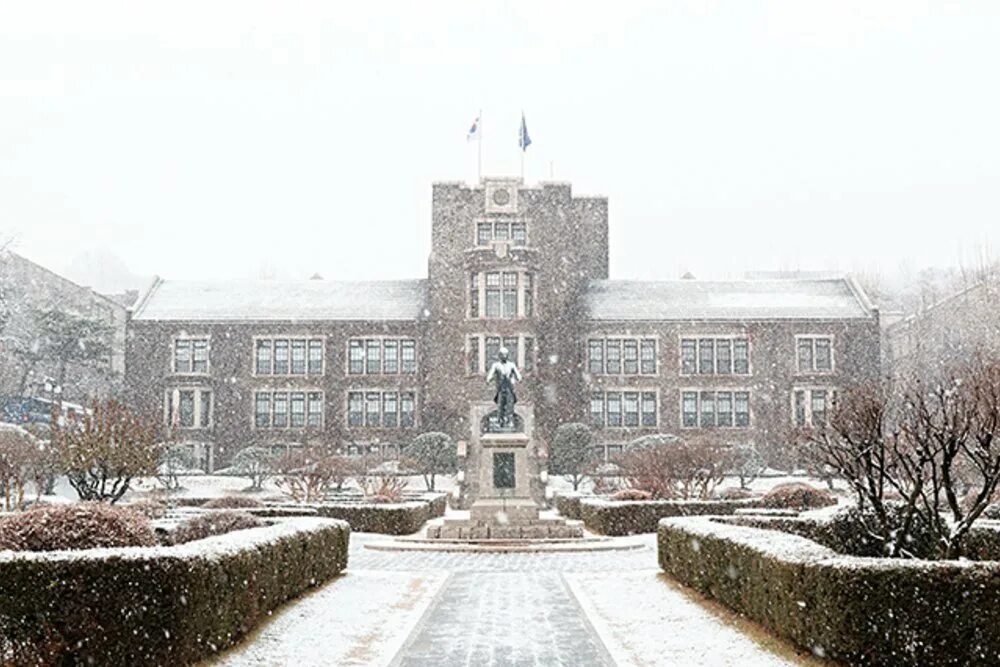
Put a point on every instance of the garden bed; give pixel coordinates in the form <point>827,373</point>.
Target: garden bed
<point>159,605</point>
<point>628,517</point>
<point>865,611</point>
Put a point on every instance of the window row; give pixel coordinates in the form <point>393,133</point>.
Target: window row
<point>501,230</point>
<point>712,409</point>
<point>189,408</point>
<point>623,409</point>
<point>501,294</point>
<point>621,356</point>
<point>288,409</point>
<point>483,349</point>
<point>715,356</point>
<point>383,409</point>
<point>288,356</point>
<point>191,355</point>
<point>385,356</point>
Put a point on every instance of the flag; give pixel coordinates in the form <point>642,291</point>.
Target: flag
<point>473,131</point>
<point>523,140</point>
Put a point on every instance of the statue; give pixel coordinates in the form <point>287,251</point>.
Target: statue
<point>506,375</point>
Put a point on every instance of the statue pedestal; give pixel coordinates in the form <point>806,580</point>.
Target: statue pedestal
<point>504,486</point>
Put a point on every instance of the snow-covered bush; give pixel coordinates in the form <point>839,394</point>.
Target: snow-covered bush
<point>735,493</point>
<point>148,507</point>
<point>631,494</point>
<point>431,454</point>
<point>668,467</point>
<point>87,525</point>
<point>630,517</point>
<point>797,496</point>
<point>395,518</point>
<point>308,474</point>
<point>848,532</point>
<point>105,450</point>
<point>388,488</point>
<point>231,503</point>
<point>173,605</point>
<point>176,460</point>
<point>213,523</point>
<point>257,463</point>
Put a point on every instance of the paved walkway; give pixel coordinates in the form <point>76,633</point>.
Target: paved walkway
<point>414,609</point>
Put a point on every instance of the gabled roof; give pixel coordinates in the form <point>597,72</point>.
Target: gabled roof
<point>824,299</point>
<point>263,300</point>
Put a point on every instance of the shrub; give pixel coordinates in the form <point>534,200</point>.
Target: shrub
<point>746,463</point>
<point>19,454</point>
<point>307,474</point>
<point>631,494</point>
<point>431,454</point>
<point>159,606</point>
<point>573,453</point>
<point>670,468</point>
<point>175,460</point>
<point>797,496</point>
<point>388,487</point>
<point>231,503</point>
<point>629,517</point>
<point>214,523</point>
<point>257,463</point>
<point>104,451</point>
<point>86,525</point>
<point>735,493</point>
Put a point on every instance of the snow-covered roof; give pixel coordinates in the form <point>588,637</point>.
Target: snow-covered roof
<point>826,299</point>
<point>282,300</point>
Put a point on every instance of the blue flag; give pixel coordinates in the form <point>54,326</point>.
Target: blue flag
<point>523,140</point>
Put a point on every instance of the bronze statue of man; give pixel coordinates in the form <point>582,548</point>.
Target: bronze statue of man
<point>504,372</point>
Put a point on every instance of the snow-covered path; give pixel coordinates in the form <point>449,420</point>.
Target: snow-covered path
<point>415,609</point>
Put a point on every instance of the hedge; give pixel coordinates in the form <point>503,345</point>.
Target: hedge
<point>162,605</point>
<point>626,517</point>
<point>862,611</point>
<point>569,506</point>
<point>402,518</point>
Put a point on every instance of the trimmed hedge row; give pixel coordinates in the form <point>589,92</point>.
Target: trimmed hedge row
<point>569,506</point>
<point>403,518</point>
<point>166,605</point>
<point>627,517</point>
<point>863,611</point>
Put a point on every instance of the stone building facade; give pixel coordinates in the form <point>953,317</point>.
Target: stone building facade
<point>371,364</point>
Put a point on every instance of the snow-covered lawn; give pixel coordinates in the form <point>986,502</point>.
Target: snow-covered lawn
<point>644,619</point>
<point>361,618</point>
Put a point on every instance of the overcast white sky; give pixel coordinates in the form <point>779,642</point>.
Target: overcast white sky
<point>211,139</point>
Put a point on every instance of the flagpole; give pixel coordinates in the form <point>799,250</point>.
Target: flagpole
<point>479,149</point>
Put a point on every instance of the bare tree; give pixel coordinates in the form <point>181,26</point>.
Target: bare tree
<point>307,474</point>
<point>105,450</point>
<point>668,467</point>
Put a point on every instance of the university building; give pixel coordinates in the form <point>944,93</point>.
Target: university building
<point>372,364</point>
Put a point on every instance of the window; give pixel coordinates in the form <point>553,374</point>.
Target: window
<point>595,356</point>
<point>510,342</point>
<point>649,356</point>
<point>814,354</point>
<point>191,355</point>
<point>356,357</point>
<point>263,357</point>
<point>315,357</point>
<point>597,409</point>
<point>355,408</point>
<point>473,353</point>
<point>372,414</point>
<point>506,294</point>
<point>474,295</point>
<point>501,230</point>
<point>519,233</point>
<point>715,356</point>
<point>283,409</point>
<point>373,357</point>
<point>711,409</point>
<point>380,409</point>
<point>629,409</point>
<point>811,406</point>
<point>630,356</point>
<point>189,408</point>
<point>281,357</point>
<point>613,364</point>
<point>689,408</point>
<point>649,408</point>
<point>492,350</point>
<point>390,409</point>
<point>484,233</point>
<point>409,351</point>
<point>390,357</point>
<point>288,356</point>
